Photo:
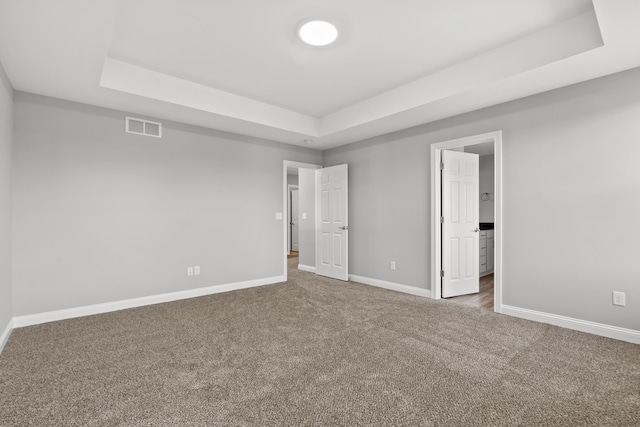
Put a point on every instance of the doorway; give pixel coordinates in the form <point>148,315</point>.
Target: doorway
<point>293,212</point>
<point>494,139</point>
<point>306,213</point>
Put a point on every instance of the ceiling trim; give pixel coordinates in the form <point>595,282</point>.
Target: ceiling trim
<point>125,77</point>
<point>563,40</point>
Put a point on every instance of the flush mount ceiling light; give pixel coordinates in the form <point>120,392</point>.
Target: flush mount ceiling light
<point>318,33</point>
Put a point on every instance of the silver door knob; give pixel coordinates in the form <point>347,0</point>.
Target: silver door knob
<point>475,230</point>
<point>344,227</point>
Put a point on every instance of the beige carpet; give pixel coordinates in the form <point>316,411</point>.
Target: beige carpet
<point>314,351</point>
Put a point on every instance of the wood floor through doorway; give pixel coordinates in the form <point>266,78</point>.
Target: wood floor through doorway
<point>483,299</point>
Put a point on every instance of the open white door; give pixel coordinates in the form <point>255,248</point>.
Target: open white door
<point>460,211</point>
<point>332,241</point>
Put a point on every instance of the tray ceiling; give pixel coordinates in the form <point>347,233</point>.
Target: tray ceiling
<point>239,66</point>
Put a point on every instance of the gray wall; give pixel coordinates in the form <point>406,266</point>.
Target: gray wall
<point>100,215</point>
<point>6,129</point>
<point>388,208</point>
<point>486,185</point>
<point>292,179</point>
<point>307,228</point>
<point>571,199</point>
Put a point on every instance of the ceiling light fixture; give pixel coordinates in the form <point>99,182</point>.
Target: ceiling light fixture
<point>318,33</point>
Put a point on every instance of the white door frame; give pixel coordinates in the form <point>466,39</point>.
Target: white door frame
<point>436,205</point>
<point>289,188</point>
<point>286,164</point>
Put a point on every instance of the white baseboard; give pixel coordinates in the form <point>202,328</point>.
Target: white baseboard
<point>308,268</point>
<point>601,329</point>
<point>52,316</point>
<point>4,337</point>
<point>391,286</point>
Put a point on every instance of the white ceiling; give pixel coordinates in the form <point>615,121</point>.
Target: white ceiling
<point>238,66</point>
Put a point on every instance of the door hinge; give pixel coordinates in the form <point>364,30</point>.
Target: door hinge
<point>441,273</point>
<point>441,220</point>
<point>441,166</point>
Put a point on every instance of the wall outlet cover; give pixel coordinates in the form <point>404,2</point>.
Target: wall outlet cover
<point>619,298</point>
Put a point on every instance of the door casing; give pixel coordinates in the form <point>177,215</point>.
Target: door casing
<point>436,207</point>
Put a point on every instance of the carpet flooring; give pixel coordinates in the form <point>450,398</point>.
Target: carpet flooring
<point>314,352</point>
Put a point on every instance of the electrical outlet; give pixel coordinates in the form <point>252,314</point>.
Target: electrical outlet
<point>618,298</point>
<point>196,270</point>
<point>392,265</point>
<point>189,271</point>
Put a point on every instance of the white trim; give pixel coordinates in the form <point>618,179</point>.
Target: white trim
<point>436,238</point>
<point>405,289</point>
<point>306,268</point>
<point>88,310</point>
<point>498,223</point>
<point>285,165</point>
<point>601,329</point>
<point>4,337</point>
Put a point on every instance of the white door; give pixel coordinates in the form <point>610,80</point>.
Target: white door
<point>294,220</point>
<point>460,241</point>
<point>332,240</point>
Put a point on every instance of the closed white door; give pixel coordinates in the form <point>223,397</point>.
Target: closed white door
<point>460,212</point>
<point>332,242</point>
<point>294,220</point>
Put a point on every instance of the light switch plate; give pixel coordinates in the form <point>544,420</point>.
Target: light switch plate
<point>279,215</point>
<point>304,215</point>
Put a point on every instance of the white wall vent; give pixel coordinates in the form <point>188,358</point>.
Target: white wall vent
<point>143,127</point>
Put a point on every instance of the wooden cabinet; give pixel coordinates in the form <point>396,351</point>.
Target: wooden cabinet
<point>486,252</point>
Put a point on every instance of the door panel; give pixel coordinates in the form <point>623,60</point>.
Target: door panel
<point>460,211</point>
<point>333,240</point>
<point>338,256</point>
<point>325,252</point>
